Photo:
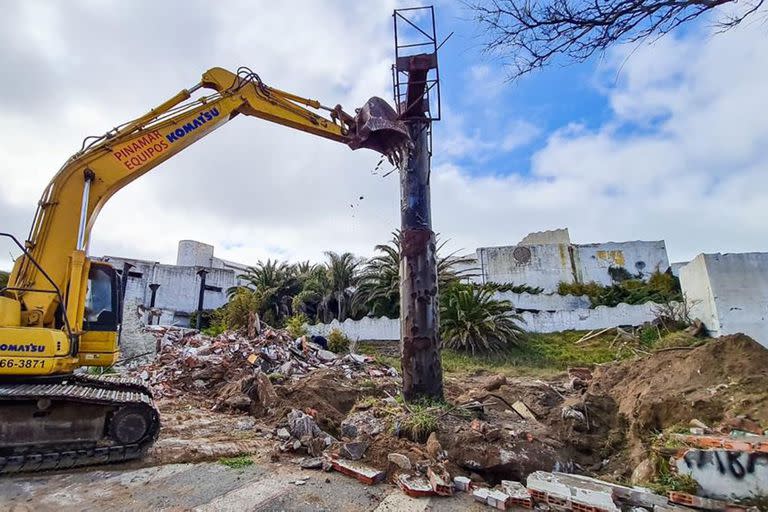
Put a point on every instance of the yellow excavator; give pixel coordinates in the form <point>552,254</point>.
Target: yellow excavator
<point>61,311</point>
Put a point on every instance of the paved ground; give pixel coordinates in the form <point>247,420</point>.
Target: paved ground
<point>209,487</point>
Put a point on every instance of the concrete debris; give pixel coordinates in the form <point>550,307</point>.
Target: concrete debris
<point>301,424</point>
<point>361,472</point>
<point>571,413</point>
<point>312,463</point>
<point>689,500</point>
<point>362,422</point>
<point>462,483</point>
<point>518,494</point>
<point>399,460</point>
<point>354,450</point>
<point>557,490</point>
<point>440,480</point>
<point>434,448</point>
<point>191,362</point>
<point>481,494</point>
<point>415,486</point>
<point>497,499</point>
<point>578,492</point>
<point>282,433</point>
<point>523,410</point>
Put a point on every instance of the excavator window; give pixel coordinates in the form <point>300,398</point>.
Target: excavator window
<point>102,299</point>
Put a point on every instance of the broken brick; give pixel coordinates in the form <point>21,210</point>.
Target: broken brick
<point>361,472</point>
<point>440,481</point>
<point>415,486</point>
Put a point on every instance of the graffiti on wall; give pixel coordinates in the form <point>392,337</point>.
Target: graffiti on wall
<point>726,474</point>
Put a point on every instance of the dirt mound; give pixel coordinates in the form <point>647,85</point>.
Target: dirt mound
<point>725,377</point>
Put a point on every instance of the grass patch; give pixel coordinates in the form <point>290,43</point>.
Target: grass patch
<point>542,354</point>
<point>422,418</point>
<point>239,462</point>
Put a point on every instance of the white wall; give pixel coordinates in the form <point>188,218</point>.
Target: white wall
<point>587,319</point>
<point>366,329</point>
<point>694,281</point>
<point>541,266</point>
<point>730,292</point>
<point>640,257</point>
<point>544,301</point>
<point>381,329</point>
<point>552,263</point>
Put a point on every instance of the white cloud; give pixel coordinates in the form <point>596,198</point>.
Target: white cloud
<point>683,159</point>
<point>695,175</point>
<point>520,134</point>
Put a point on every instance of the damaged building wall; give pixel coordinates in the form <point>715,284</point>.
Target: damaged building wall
<point>553,260</point>
<point>729,293</point>
<point>640,258</point>
<point>541,266</point>
<point>179,287</point>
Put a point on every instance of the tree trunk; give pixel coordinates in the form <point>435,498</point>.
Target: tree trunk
<point>419,338</point>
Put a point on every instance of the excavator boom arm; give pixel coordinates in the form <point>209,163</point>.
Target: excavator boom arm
<point>70,204</point>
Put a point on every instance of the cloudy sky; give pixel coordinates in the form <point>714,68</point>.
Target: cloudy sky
<point>666,141</point>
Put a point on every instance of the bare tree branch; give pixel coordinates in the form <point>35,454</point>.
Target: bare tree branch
<point>530,34</point>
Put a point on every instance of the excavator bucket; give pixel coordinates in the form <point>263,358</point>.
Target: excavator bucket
<point>376,126</point>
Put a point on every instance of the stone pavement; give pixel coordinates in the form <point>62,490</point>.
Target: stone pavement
<point>209,487</point>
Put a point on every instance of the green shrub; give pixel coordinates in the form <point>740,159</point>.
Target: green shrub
<point>514,288</point>
<point>234,314</point>
<point>660,288</point>
<point>472,320</point>
<point>295,325</point>
<point>4,279</point>
<point>208,318</point>
<point>337,341</point>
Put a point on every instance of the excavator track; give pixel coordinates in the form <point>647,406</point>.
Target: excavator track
<point>120,417</point>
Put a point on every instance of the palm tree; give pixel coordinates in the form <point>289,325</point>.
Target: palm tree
<point>343,275</point>
<point>379,288</point>
<point>276,283</point>
<point>316,292</point>
<point>472,320</point>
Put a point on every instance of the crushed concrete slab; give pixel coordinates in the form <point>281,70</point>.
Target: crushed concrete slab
<point>557,489</point>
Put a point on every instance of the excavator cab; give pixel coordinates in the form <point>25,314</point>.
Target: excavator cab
<point>102,299</point>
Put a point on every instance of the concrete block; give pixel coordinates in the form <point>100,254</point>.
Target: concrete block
<point>497,499</point>
<point>462,483</point>
<point>480,495</point>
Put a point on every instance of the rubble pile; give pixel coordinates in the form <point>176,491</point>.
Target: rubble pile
<point>341,412</point>
<point>191,363</point>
